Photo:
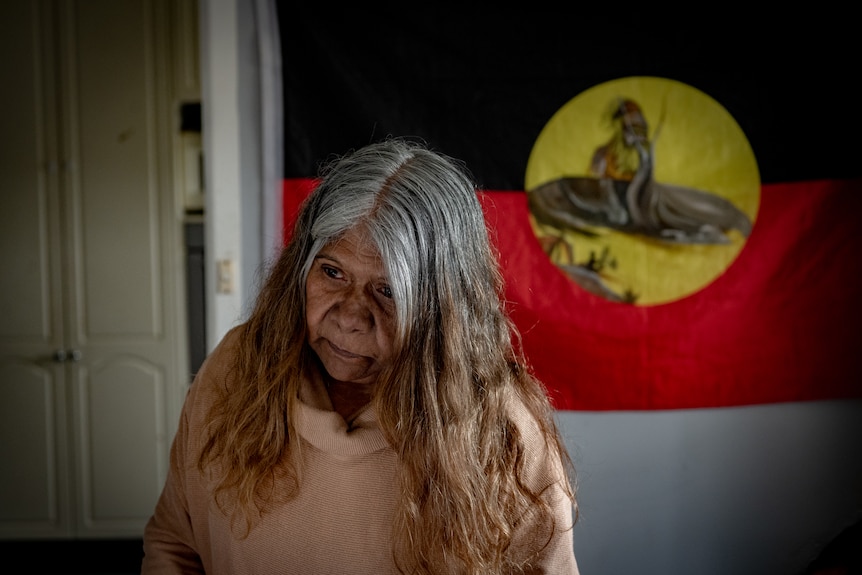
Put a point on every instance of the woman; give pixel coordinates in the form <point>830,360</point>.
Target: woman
<point>373,415</point>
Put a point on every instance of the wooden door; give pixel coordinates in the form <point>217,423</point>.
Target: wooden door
<point>90,366</point>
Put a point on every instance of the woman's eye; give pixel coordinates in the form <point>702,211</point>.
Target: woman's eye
<point>330,271</point>
<point>386,291</point>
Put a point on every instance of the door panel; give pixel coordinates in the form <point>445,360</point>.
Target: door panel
<point>121,422</point>
<point>118,293</point>
<point>114,148</point>
<point>34,475</point>
<point>33,448</point>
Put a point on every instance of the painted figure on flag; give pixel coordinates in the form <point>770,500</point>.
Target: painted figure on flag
<point>591,223</point>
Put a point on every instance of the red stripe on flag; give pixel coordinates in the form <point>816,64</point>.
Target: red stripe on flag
<point>294,191</point>
<point>781,324</point>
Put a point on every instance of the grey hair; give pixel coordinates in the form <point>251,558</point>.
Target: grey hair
<point>420,209</point>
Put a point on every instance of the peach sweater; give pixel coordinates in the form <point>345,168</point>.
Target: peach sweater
<point>340,521</point>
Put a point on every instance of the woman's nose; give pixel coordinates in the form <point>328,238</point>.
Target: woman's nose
<point>354,313</point>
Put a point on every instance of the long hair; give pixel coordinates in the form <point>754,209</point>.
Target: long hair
<point>447,403</point>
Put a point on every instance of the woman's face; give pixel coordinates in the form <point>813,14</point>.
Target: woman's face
<point>350,313</point>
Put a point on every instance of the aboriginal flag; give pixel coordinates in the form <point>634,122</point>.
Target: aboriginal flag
<point>676,210</point>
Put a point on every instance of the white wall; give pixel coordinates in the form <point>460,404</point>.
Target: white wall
<point>222,169</point>
<point>752,490</point>
<point>755,490</point>
<point>242,213</point>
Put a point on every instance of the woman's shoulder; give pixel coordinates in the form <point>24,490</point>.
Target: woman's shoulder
<point>214,376</point>
<point>527,420</point>
<point>224,353</point>
<point>537,430</point>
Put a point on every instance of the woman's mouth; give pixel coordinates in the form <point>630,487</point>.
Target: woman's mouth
<point>342,352</point>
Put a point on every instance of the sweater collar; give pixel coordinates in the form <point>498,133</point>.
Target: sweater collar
<point>326,430</point>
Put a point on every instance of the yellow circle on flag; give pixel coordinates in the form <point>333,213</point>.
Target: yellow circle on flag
<point>643,190</point>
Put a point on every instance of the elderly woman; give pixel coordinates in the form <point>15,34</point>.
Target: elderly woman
<point>374,414</point>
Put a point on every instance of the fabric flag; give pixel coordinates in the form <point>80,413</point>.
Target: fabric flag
<point>726,197</point>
